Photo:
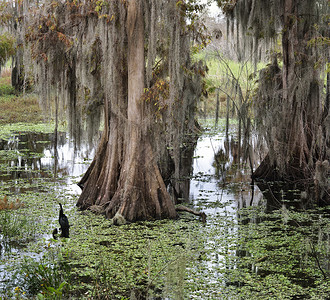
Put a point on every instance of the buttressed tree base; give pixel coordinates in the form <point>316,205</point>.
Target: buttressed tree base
<point>131,58</point>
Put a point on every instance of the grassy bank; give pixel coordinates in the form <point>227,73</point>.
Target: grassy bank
<point>227,79</point>
<point>17,107</point>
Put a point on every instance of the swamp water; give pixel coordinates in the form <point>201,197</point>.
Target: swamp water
<point>249,248</point>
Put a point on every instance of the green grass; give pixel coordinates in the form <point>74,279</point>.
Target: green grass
<point>223,78</point>
<point>15,108</point>
<point>13,226</point>
<point>46,278</point>
<point>220,68</point>
<point>20,112</point>
<point>6,89</point>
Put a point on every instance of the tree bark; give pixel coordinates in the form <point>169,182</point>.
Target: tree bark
<point>99,57</point>
<point>128,179</point>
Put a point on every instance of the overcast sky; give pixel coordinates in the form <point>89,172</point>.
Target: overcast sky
<point>214,10</point>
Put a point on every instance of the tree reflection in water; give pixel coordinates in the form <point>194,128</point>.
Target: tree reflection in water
<point>266,234</point>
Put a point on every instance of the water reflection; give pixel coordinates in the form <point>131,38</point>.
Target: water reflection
<point>255,232</point>
<point>218,178</point>
<point>31,157</point>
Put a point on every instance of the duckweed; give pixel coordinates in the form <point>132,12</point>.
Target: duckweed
<point>242,252</point>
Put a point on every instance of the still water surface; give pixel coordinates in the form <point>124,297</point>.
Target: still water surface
<point>252,246</point>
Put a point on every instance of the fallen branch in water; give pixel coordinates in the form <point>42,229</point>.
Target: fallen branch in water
<point>201,214</point>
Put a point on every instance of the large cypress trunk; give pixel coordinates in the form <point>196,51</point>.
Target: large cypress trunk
<point>128,179</point>
<point>132,57</point>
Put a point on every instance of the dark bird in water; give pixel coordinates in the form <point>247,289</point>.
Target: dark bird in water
<point>64,223</point>
<point>55,233</point>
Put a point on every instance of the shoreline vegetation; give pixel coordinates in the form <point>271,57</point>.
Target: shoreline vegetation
<point>17,107</point>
